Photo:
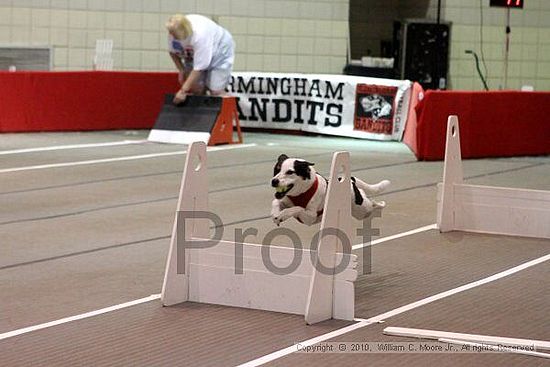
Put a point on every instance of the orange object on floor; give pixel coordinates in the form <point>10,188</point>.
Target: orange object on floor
<point>228,118</point>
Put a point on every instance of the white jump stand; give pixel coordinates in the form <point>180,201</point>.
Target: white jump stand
<point>486,209</point>
<point>210,274</point>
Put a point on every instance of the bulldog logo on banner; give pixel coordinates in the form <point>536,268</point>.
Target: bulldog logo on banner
<point>374,108</point>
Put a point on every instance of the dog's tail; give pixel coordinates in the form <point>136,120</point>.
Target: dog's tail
<point>371,190</point>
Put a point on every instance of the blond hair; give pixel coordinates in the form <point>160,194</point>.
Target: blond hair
<point>179,26</point>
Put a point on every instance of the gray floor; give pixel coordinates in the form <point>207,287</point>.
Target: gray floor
<point>79,238</point>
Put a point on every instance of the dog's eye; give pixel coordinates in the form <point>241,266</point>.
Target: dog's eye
<point>289,172</point>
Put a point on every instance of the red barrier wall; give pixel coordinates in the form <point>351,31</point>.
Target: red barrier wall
<point>492,124</point>
<point>90,100</point>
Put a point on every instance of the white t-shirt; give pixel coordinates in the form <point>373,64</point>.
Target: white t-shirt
<point>206,48</point>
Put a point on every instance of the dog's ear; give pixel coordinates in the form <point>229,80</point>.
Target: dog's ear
<point>280,161</point>
<point>302,169</point>
<point>282,158</point>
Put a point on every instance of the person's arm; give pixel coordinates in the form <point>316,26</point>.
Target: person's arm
<point>179,66</point>
<point>187,86</point>
<point>191,80</point>
<point>177,62</point>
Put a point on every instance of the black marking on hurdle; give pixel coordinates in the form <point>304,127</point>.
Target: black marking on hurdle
<point>196,114</point>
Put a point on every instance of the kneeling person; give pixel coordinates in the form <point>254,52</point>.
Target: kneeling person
<point>203,52</point>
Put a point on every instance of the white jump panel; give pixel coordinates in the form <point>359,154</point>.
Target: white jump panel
<point>336,215</point>
<point>497,210</point>
<point>213,278</point>
<point>177,137</point>
<point>193,197</point>
<point>486,209</point>
<point>213,273</point>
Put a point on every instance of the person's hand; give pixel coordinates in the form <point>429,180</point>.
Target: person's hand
<point>180,97</point>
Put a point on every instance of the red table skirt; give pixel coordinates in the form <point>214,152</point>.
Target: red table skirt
<point>492,124</point>
<point>89,100</point>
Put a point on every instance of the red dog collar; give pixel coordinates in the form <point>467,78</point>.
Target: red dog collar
<point>304,198</point>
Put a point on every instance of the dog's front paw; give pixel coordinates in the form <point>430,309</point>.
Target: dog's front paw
<point>282,216</point>
<point>278,220</point>
<point>379,204</point>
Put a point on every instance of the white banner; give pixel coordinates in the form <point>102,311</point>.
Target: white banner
<point>343,105</point>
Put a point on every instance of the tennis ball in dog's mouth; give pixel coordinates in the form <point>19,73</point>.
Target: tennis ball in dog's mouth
<point>281,189</point>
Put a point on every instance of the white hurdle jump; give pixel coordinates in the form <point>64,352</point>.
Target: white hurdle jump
<point>210,275</point>
<point>485,209</point>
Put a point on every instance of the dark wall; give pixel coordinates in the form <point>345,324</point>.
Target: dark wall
<point>371,22</point>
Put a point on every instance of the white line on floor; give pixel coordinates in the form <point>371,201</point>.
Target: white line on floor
<point>396,236</point>
<point>29,329</point>
<point>128,304</point>
<point>376,319</point>
<point>74,146</point>
<point>294,348</point>
<point>117,159</point>
<point>291,349</point>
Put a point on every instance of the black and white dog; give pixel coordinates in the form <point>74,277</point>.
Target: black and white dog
<point>300,193</point>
